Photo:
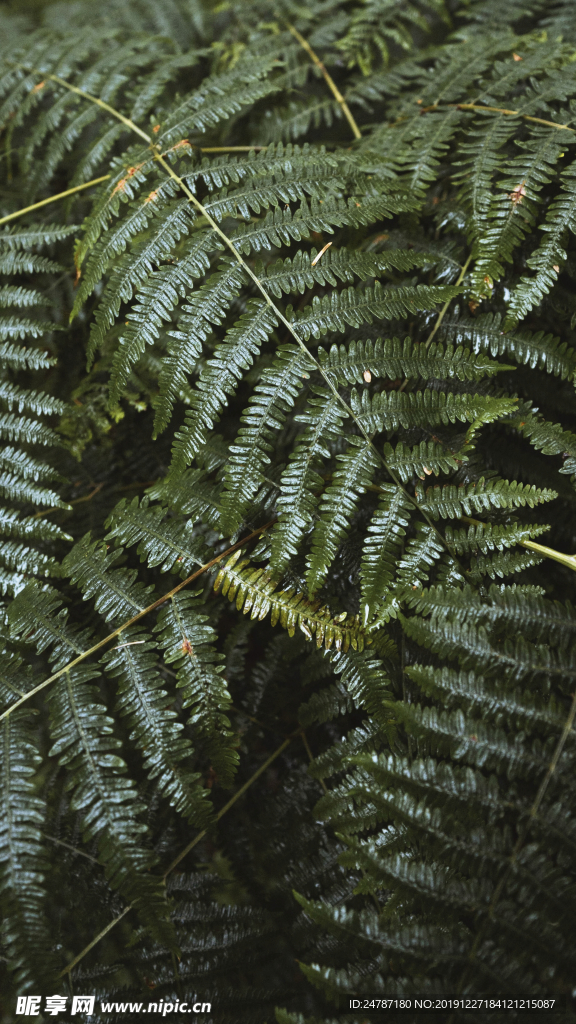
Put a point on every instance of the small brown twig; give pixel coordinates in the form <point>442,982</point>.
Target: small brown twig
<point>328,79</point>
<point>223,810</point>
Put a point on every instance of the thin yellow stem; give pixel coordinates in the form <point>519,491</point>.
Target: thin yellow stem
<point>136,618</point>
<point>328,79</point>
<point>513,113</point>
<point>492,110</point>
<point>69,967</point>
<point>568,560</point>
<point>68,846</point>
<point>186,850</point>
<point>52,199</point>
<point>233,800</point>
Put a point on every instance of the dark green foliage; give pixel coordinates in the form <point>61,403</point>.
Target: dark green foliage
<point>287,468</point>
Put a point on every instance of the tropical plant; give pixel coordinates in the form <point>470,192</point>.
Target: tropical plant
<point>287,367</point>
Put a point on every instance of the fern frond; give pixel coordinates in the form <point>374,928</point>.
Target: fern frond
<point>394,358</point>
<point>503,563</point>
<point>272,398</point>
<point>208,306</point>
<point>514,209</point>
<point>491,698</point>
<point>23,861</point>
<point>37,615</point>
<point>383,541</point>
<point>300,273</point>
<point>157,296</point>
<point>450,502</point>
<point>105,797</point>
<point>387,410</point>
<point>424,459</point>
<point>534,349</point>
<point>220,377</point>
<point>166,542</point>
<point>355,307</point>
<point>188,643</point>
<point>298,500</point>
<point>117,592</point>
<point>145,703</point>
<point>219,97</point>
<point>339,502</point>
<point>550,255</point>
<point>487,537</point>
<point>549,438</point>
<point>254,591</point>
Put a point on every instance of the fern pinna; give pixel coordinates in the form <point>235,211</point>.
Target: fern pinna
<point>289,449</point>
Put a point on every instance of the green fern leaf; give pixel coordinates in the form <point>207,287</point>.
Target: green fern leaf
<point>254,591</point>
<point>450,502</point>
<point>142,699</point>
<point>337,507</point>
<point>169,543</point>
<point>23,862</point>
<point>298,500</point>
<point>188,641</point>
<point>393,358</point>
<point>385,536</point>
<point>271,400</point>
<point>104,797</point>
<point>220,378</point>
<point>117,593</point>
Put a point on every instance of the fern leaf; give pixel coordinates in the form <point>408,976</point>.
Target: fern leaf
<point>220,378</point>
<point>23,862</point>
<point>550,255</point>
<point>142,699</point>
<point>450,502</point>
<point>385,536</point>
<point>254,591</point>
<point>188,641</point>
<point>514,208</point>
<point>300,480</point>
<point>357,307</point>
<point>394,358</point>
<point>338,505</point>
<point>219,97</point>
<point>424,459</point>
<point>487,696</point>
<point>271,400</point>
<point>117,593</point>
<point>132,270</point>
<point>157,296</point>
<point>534,349</point>
<point>389,410</point>
<point>501,564</point>
<point>206,307</point>
<point>105,797</point>
<point>487,537</point>
<point>168,543</point>
<point>34,616</point>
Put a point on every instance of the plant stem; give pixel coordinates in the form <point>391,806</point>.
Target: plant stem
<point>568,560</point>
<point>52,199</point>
<point>492,110</point>
<point>328,78</point>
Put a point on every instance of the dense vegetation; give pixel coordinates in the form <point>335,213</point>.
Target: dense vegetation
<point>287,364</point>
